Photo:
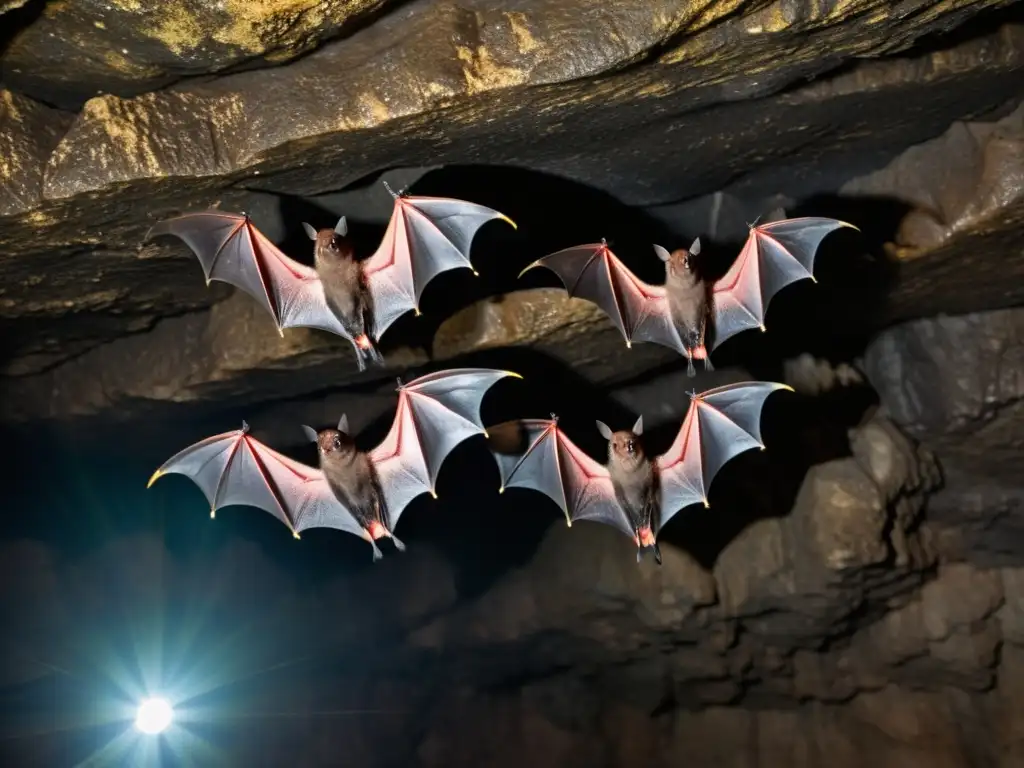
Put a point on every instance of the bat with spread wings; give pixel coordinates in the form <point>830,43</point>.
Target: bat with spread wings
<point>687,313</point>
<point>633,493</point>
<point>362,493</point>
<point>355,299</point>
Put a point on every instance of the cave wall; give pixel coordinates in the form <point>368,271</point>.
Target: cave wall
<point>852,597</point>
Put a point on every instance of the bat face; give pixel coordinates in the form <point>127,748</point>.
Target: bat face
<point>330,247</point>
<point>625,449</point>
<point>680,268</point>
<point>333,445</point>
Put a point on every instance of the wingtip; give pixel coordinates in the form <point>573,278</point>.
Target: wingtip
<point>786,387</point>
<point>213,513</point>
<point>295,535</point>
<point>527,268</point>
<point>513,374</point>
<point>762,327</point>
<point>433,493</point>
<point>848,224</point>
<point>706,505</point>
<point>502,489</point>
<point>508,221</point>
<point>629,344</point>
<point>568,523</point>
<point>154,477</point>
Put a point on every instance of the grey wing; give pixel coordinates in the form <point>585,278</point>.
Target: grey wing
<point>436,413</point>
<point>425,237</point>
<point>235,469</point>
<point>774,255</point>
<point>232,250</point>
<point>720,424</point>
<point>535,454</point>
<point>593,272</point>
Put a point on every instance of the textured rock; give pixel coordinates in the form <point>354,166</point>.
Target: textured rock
<point>949,374</point>
<point>126,162</point>
<point>958,382</point>
<point>28,133</point>
<point>78,49</point>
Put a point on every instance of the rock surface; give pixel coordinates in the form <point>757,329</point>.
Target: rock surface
<point>852,596</point>
<point>86,204</point>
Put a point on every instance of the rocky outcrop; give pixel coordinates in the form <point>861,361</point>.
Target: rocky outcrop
<point>506,92</point>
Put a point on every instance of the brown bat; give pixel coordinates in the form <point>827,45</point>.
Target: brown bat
<point>357,300</point>
<point>686,313</point>
<point>635,494</point>
<point>360,492</point>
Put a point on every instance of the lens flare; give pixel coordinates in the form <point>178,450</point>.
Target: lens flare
<point>154,716</point>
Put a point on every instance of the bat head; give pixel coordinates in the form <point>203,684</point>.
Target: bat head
<point>681,264</point>
<point>333,443</point>
<point>624,446</point>
<point>330,244</point>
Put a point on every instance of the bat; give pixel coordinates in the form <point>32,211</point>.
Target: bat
<point>362,493</point>
<point>355,299</point>
<point>633,493</point>
<point>686,313</point>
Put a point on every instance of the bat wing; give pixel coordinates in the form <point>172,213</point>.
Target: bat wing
<point>435,413</point>
<point>639,310</point>
<point>234,468</point>
<point>775,254</point>
<point>425,237</point>
<point>232,250</point>
<point>536,454</point>
<point>721,423</point>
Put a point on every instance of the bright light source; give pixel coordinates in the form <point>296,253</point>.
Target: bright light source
<point>154,716</point>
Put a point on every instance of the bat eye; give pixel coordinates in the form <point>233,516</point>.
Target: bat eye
<point>334,244</point>
<point>630,447</point>
<point>336,442</point>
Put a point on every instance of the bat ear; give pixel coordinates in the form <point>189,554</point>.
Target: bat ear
<point>638,428</point>
<point>310,232</point>
<point>695,248</point>
<point>310,433</point>
<point>341,228</point>
<point>603,429</point>
<point>662,253</point>
<point>343,423</point>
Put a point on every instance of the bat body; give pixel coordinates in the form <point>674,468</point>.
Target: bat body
<point>355,299</point>
<point>687,313</point>
<point>632,493</point>
<point>362,493</point>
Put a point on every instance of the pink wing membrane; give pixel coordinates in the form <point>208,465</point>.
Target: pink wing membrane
<point>232,250</point>
<point>775,254</point>
<point>436,413</point>
<point>550,463</point>
<point>720,424</point>
<point>235,469</point>
<point>593,272</point>
<point>425,237</point>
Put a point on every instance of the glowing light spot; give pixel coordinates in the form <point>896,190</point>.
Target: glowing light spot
<point>295,535</point>
<point>154,716</point>
<point>213,514</point>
